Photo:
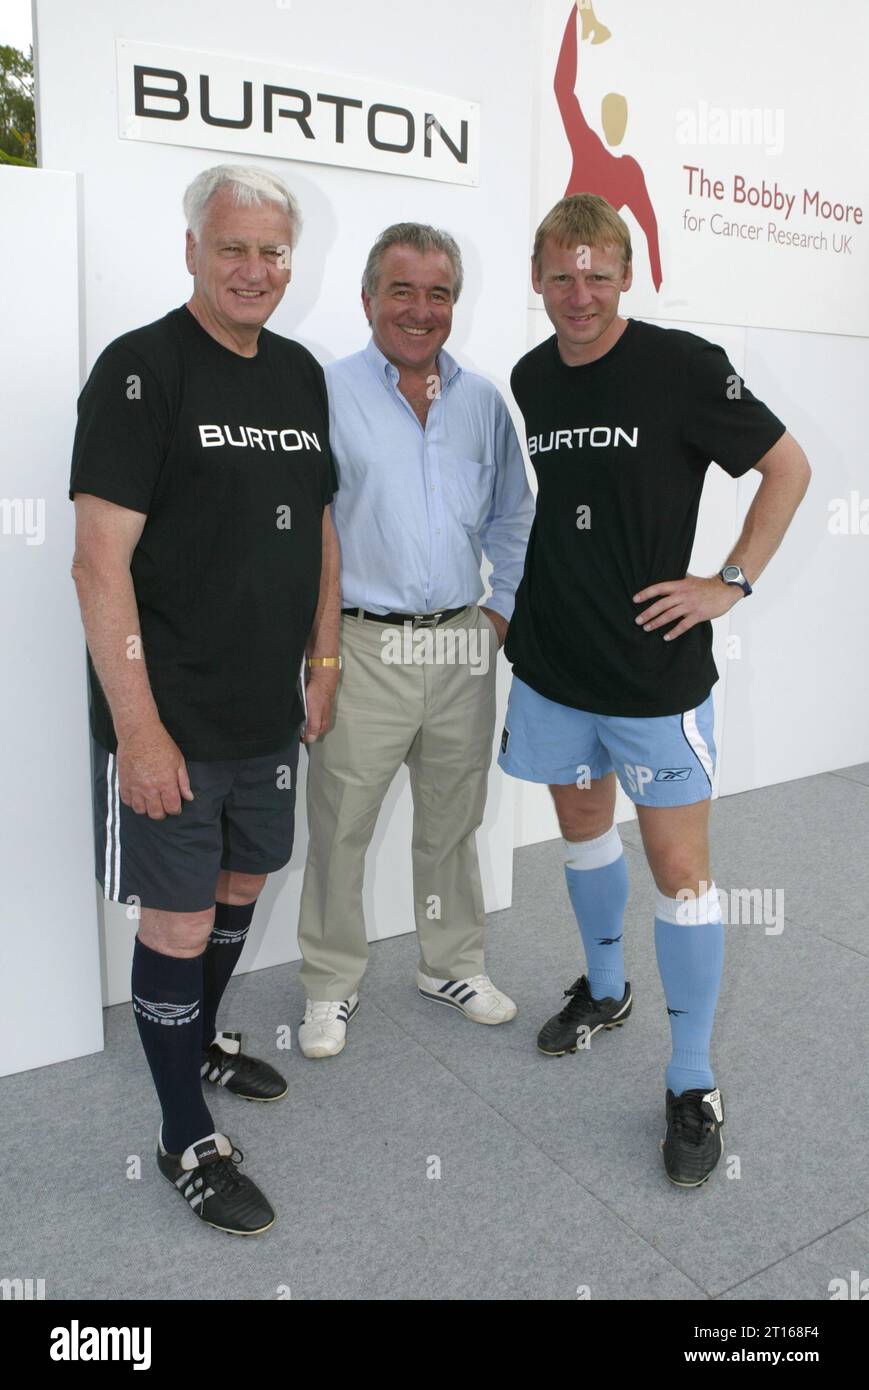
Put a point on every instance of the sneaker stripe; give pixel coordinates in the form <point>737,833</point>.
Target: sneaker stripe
<point>470,995</point>
<point>445,986</point>
<point>458,989</point>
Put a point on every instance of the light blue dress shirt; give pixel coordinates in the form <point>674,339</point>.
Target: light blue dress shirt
<point>416,508</point>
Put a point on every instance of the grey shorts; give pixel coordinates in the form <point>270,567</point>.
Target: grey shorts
<point>242,818</point>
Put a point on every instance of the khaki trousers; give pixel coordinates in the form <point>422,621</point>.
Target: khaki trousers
<point>437,715</point>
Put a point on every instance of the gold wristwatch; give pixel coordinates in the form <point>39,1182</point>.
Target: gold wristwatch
<point>333,662</point>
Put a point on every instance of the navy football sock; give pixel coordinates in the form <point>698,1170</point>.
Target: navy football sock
<point>225,945</point>
<point>167,1004</point>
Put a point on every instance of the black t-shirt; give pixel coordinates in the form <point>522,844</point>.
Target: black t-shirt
<point>229,458</point>
<point>630,437</point>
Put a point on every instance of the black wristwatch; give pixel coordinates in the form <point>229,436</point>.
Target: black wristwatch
<point>732,574</point>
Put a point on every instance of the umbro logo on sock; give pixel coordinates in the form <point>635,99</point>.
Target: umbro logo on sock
<point>226,936</point>
<point>170,1014</point>
<point>674,1012</point>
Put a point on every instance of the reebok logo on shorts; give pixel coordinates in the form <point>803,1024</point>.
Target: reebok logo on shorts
<point>672,774</point>
<point>170,1014</point>
<point>505,739</point>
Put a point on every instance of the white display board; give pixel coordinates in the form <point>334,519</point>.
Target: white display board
<point>730,139</point>
<point>50,1008</point>
<point>232,103</point>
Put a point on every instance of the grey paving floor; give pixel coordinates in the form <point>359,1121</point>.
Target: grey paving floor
<point>551,1181</point>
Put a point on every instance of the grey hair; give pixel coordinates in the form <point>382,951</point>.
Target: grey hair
<point>419,237</point>
<point>251,187</point>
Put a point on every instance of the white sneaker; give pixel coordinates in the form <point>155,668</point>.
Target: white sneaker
<point>323,1032</point>
<point>477,997</point>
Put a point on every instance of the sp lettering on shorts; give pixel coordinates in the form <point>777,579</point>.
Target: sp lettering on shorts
<point>505,739</point>
<point>672,774</point>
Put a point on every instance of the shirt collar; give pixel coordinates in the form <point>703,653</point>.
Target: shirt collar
<point>447,366</point>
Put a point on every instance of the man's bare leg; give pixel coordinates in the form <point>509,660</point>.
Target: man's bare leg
<point>584,813</point>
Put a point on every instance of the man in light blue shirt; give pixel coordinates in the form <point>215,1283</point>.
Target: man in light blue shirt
<point>431,477</point>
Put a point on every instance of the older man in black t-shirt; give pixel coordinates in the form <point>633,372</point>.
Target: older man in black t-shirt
<point>206,566</point>
<point>611,641</point>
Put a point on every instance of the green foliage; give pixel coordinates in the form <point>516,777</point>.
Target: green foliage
<point>17,115</point>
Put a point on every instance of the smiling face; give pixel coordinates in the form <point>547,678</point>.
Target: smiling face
<point>240,267</point>
<point>582,303</point>
<point>411,313</point>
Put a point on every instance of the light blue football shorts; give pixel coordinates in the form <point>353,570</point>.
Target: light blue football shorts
<point>664,761</point>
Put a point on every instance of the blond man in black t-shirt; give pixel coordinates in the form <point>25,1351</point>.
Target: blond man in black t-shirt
<point>611,636</point>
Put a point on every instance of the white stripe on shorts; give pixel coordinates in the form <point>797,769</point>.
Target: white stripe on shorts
<point>116,886</point>
<point>111,883</point>
<point>697,742</point>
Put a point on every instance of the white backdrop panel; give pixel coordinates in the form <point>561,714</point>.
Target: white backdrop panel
<point>797,698</point>
<point>49,949</point>
<point>767,101</point>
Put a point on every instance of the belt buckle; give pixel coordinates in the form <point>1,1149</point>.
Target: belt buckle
<point>426,619</point>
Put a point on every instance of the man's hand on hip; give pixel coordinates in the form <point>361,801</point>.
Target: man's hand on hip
<point>500,623</point>
<point>152,773</point>
<point>692,599</point>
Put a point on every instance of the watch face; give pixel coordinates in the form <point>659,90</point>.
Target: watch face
<point>731,574</point>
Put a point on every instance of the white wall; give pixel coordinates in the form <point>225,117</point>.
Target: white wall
<point>797,698</point>
<point>49,947</point>
<point>134,267</point>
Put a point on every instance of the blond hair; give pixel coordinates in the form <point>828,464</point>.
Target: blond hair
<point>583,219</point>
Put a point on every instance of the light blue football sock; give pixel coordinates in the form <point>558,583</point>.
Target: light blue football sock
<point>689,944</point>
<point>597,881</point>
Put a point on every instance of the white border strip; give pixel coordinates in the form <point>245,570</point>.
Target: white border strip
<point>698,742</point>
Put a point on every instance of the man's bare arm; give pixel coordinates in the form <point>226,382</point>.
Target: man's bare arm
<point>151,769</point>
<point>785,472</point>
